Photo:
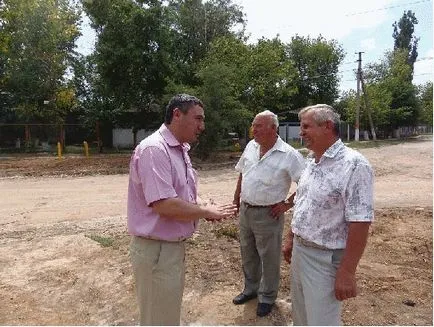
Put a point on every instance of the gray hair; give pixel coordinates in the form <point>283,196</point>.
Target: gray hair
<point>272,115</point>
<point>322,113</point>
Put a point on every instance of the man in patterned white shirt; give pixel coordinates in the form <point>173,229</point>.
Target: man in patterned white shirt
<point>332,214</point>
<point>267,168</point>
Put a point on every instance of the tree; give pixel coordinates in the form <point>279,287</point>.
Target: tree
<point>195,24</point>
<point>37,39</point>
<point>317,62</point>
<point>131,59</point>
<point>425,95</point>
<point>146,49</point>
<point>403,33</point>
<point>271,77</point>
<point>222,74</point>
<point>224,112</point>
<point>391,93</point>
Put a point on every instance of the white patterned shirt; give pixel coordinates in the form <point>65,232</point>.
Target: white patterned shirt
<point>266,180</point>
<point>332,193</point>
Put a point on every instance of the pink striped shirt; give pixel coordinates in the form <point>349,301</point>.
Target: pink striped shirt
<point>160,168</point>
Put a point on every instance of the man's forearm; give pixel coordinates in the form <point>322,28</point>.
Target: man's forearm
<point>237,192</point>
<point>356,242</point>
<point>178,209</point>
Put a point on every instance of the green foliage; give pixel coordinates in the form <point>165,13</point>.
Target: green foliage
<point>391,92</point>
<point>380,100</point>
<point>403,34</point>
<point>404,103</point>
<point>317,62</point>
<point>345,106</point>
<point>230,231</point>
<point>223,111</point>
<point>425,95</point>
<point>145,52</point>
<point>104,241</point>
<point>37,42</point>
<point>195,24</point>
<point>131,59</point>
<point>271,77</point>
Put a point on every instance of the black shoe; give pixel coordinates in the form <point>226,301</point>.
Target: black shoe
<point>263,309</point>
<point>243,298</point>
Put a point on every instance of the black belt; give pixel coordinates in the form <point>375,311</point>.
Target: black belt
<point>248,205</point>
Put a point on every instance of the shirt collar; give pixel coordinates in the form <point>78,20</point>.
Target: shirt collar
<point>279,145</point>
<point>334,149</point>
<point>170,138</point>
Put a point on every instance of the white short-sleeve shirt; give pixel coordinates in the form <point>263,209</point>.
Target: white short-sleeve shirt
<point>332,193</point>
<point>266,180</point>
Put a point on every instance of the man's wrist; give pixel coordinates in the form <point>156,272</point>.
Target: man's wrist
<point>289,203</point>
<point>290,237</point>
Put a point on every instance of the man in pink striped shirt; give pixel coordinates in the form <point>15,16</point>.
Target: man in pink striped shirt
<point>163,210</point>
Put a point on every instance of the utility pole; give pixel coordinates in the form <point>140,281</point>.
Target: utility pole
<point>368,108</point>
<point>359,73</point>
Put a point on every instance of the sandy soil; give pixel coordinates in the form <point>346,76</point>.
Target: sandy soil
<point>64,247</point>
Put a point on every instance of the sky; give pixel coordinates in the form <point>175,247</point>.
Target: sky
<point>364,25</point>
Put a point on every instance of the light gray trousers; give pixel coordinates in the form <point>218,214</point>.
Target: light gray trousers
<point>313,298</point>
<point>261,243</point>
<point>159,273</point>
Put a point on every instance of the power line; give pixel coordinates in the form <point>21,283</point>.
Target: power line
<point>385,8</point>
<point>352,80</point>
<point>347,70</point>
<point>425,58</point>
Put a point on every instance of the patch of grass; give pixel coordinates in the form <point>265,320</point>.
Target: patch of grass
<point>296,144</point>
<point>373,144</point>
<point>104,241</point>
<point>230,231</point>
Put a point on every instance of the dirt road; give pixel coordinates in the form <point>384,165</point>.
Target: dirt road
<point>64,250</point>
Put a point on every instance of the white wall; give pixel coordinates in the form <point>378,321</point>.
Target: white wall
<point>124,138</point>
<point>293,132</point>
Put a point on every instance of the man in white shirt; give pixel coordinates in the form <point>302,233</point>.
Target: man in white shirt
<point>267,168</point>
<point>332,214</point>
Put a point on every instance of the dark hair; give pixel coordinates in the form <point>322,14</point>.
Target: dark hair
<point>183,102</point>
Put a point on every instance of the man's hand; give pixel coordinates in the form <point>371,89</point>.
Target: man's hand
<point>287,250</point>
<point>279,208</point>
<point>236,202</point>
<point>345,284</point>
<point>217,213</point>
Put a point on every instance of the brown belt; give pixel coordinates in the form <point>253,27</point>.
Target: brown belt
<point>309,244</point>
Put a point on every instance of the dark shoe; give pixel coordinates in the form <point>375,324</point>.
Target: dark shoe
<point>263,309</point>
<point>243,298</point>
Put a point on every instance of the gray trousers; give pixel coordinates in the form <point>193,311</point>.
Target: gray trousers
<point>261,243</point>
<point>159,272</point>
<point>313,274</point>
